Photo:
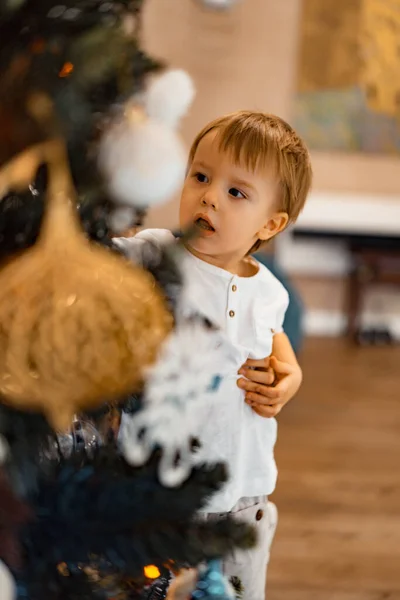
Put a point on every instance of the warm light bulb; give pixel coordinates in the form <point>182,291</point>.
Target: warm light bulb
<point>151,572</point>
<point>66,70</point>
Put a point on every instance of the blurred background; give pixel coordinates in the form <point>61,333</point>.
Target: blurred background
<point>332,69</point>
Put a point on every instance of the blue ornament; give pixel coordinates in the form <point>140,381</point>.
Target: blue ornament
<point>212,585</point>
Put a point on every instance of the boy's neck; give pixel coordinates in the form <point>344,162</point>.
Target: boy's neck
<point>243,267</point>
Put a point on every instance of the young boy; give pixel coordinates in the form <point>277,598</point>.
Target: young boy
<point>248,177</point>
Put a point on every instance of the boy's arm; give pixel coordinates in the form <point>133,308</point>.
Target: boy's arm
<point>287,369</point>
<point>146,247</point>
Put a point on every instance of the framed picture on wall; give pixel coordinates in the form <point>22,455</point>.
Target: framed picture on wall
<point>348,90</point>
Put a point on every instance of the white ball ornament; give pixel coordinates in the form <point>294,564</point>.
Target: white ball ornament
<point>142,157</point>
<point>7,586</point>
<point>144,163</point>
<point>169,97</point>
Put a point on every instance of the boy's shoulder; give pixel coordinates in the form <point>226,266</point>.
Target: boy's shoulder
<point>270,285</point>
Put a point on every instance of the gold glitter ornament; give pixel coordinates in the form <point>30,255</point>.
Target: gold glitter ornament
<point>78,324</point>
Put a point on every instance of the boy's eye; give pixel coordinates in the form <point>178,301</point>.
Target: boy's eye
<point>201,178</point>
<point>236,193</point>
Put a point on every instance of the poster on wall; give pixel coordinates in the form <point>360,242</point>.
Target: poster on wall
<point>348,90</point>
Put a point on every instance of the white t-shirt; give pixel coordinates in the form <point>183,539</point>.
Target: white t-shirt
<point>250,310</point>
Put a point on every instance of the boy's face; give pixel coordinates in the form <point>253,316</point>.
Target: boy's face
<point>231,206</point>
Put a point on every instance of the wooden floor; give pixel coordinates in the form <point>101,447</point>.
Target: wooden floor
<point>339,487</point>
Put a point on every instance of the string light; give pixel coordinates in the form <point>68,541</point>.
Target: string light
<point>152,572</point>
<point>66,70</point>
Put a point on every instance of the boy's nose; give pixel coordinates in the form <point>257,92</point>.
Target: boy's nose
<point>210,200</point>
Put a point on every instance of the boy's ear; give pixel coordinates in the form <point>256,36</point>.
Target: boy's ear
<point>273,226</point>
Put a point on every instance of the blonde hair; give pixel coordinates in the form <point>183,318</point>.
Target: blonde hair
<point>256,140</point>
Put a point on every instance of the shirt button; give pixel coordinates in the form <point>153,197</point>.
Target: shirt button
<point>259,515</point>
<point>231,313</point>
<point>234,288</point>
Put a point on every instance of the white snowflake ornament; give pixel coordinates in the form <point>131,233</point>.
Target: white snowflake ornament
<point>178,394</point>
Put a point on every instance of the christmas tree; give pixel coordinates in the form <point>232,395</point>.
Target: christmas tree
<point>92,509</point>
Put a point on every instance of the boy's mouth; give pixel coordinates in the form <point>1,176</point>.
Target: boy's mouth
<point>204,225</point>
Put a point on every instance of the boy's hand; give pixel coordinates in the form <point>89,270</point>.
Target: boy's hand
<point>269,384</point>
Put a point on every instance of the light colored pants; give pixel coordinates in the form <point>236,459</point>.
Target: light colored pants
<point>247,569</point>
